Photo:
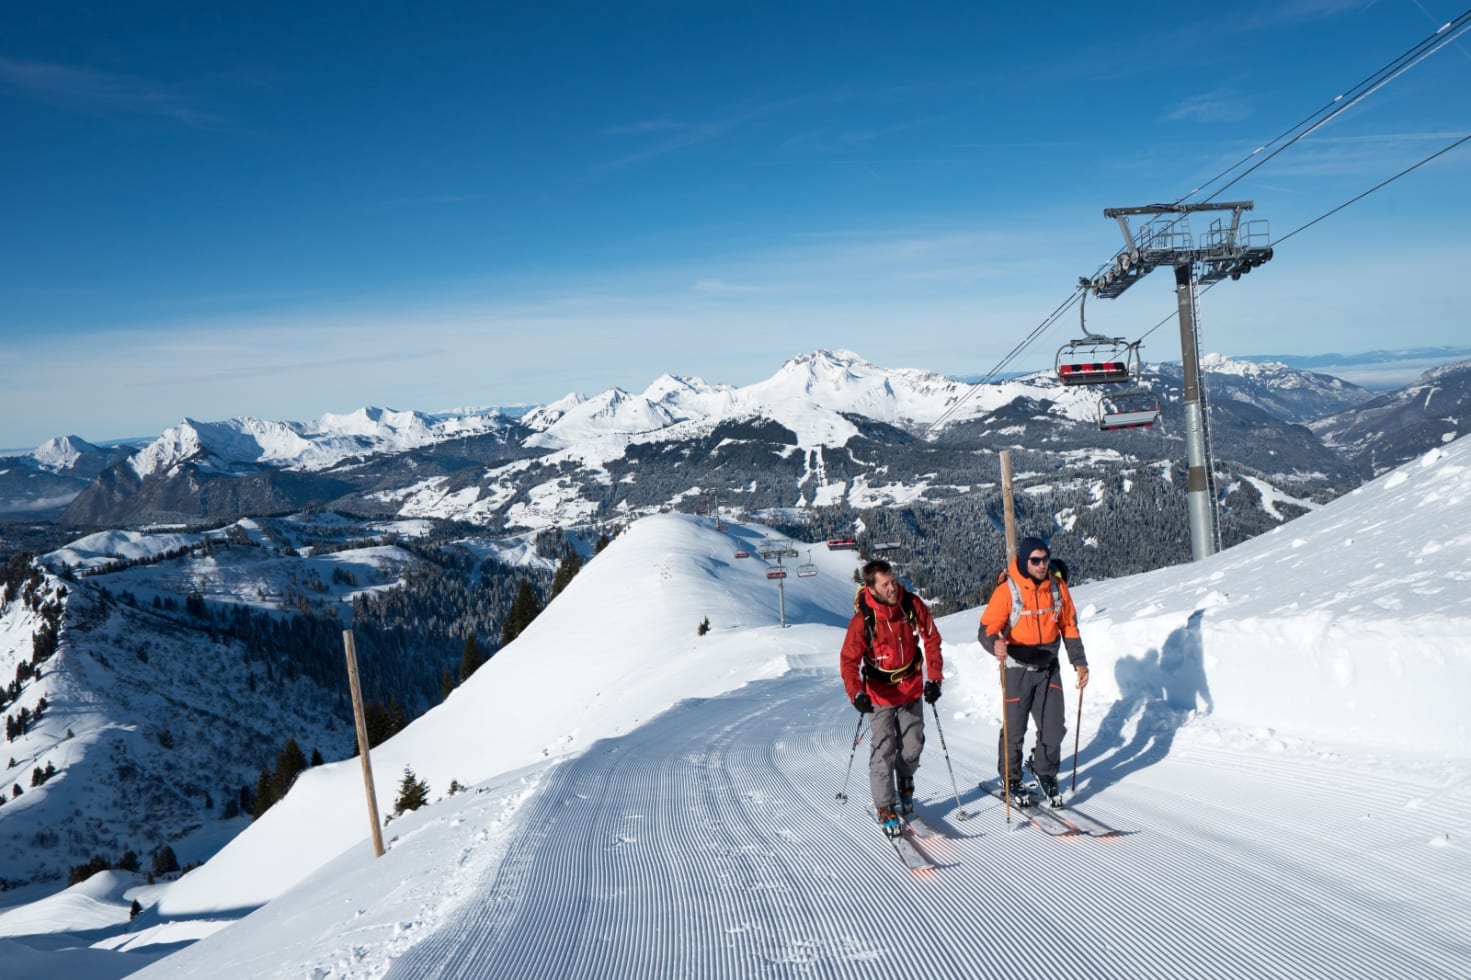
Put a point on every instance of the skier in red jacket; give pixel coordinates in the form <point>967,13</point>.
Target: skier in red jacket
<point>884,672</point>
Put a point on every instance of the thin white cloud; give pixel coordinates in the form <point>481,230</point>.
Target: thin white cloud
<point>87,90</point>
<point>1222,105</point>
<point>641,128</point>
<point>681,136</point>
<point>1373,155</point>
<point>1278,13</point>
<point>721,286</point>
<point>677,136</point>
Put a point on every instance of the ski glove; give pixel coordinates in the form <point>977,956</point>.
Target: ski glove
<point>863,702</point>
<point>931,691</point>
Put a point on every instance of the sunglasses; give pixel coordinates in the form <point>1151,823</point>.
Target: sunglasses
<point>1034,560</point>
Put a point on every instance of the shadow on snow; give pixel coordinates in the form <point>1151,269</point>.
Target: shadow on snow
<point>1158,692</point>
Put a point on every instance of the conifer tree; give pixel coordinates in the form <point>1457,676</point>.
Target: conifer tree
<point>413,793</point>
<point>164,861</point>
<point>382,722</point>
<point>471,660</point>
<point>290,762</point>
<point>566,571</point>
<point>265,794</point>
<point>524,608</point>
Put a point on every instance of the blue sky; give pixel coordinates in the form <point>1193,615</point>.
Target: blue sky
<point>281,210</point>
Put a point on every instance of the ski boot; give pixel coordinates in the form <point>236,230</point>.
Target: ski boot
<point>906,795</point>
<point>889,821</point>
<point>1050,789</point>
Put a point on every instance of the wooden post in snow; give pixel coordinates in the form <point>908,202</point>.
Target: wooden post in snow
<point>1008,507</point>
<point>362,723</point>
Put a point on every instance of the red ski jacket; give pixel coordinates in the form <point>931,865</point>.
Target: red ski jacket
<point>894,651</point>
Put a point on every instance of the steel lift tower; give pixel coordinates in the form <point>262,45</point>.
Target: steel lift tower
<point>1230,248</point>
<point>776,550</point>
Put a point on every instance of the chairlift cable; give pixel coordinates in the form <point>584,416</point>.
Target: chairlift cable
<point>1408,59</point>
<point>1378,79</point>
<point>1332,211</point>
<point>1012,355</point>
<point>1343,108</point>
<point>1388,180</point>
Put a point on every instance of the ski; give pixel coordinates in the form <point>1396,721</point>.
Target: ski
<point>1085,824</point>
<point>919,828</point>
<point>1081,821</point>
<point>1042,817</point>
<point>912,857</point>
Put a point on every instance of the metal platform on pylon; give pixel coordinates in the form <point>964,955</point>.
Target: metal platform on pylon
<point>1230,248</point>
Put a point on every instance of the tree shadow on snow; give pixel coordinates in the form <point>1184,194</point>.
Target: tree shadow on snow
<point>1158,693</point>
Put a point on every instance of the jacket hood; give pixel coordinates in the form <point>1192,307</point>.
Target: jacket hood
<point>1025,547</point>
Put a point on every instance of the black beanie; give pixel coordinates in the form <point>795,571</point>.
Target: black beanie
<point>1024,549</point>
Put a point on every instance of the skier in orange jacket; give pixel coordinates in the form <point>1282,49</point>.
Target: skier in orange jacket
<point>1029,617</point>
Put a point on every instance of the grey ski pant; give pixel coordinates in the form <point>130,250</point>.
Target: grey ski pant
<point>1037,693</point>
<point>898,739</point>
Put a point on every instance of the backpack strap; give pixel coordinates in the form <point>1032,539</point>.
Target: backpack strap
<point>1017,612</point>
<point>871,670</point>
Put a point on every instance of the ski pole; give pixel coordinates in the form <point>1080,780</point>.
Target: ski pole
<point>962,815</point>
<point>857,737</point>
<point>1077,734</point>
<point>1005,745</point>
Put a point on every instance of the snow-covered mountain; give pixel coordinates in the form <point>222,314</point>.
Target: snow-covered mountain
<point>327,442</point>
<point>645,799</point>
<point>574,460</point>
<point>1291,394</point>
<point>1391,428</point>
<point>40,483</point>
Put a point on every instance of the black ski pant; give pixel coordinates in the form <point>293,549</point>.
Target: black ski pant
<point>1037,693</point>
<point>898,739</point>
